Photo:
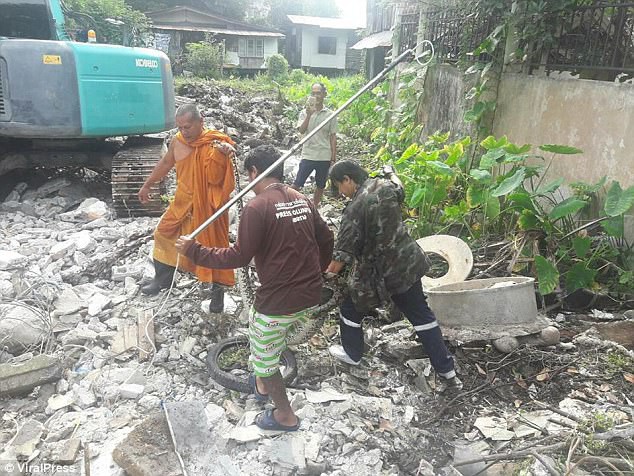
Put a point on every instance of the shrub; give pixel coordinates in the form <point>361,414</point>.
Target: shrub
<point>203,59</point>
<point>277,67</point>
<point>298,76</point>
<point>94,14</point>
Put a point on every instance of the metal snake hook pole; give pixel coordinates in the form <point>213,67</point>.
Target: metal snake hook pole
<point>373,82</point>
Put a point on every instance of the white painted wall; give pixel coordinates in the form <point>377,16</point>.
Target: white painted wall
<point>270,47</point>
<point>310,47</point>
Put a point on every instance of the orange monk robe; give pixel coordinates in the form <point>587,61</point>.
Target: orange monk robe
<point>204,181</point>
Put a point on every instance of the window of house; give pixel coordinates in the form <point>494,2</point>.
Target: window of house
<point>327,45</point>
<point>251,48</point>
<point>232,45</point>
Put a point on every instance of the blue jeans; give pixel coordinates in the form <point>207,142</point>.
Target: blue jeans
<point>413,304</point>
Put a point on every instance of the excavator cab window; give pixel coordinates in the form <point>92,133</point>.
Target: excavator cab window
<point>25,19</point>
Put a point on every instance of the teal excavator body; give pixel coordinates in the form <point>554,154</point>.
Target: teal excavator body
<point>61,99</point>
<point>51,87</point>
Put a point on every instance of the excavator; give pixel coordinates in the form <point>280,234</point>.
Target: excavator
<point>62,102</point>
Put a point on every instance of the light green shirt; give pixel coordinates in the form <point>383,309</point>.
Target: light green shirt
<point>318,146</point>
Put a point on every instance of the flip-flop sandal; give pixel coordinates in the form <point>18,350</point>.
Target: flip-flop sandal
<point>260,397</point>
<point>266,421</point>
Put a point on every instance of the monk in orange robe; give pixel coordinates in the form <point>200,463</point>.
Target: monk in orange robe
<point>205,181</point>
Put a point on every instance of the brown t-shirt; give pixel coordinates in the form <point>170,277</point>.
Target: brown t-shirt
<point>291,244</point>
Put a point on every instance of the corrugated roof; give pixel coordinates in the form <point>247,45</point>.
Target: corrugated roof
<point>223,31</point>
<point>382,38</point>
<point>210,17</point>
<point>324,22</point>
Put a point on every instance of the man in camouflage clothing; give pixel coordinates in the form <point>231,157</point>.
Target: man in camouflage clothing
<point>386,264</point>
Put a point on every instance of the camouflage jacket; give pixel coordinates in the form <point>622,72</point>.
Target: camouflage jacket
<point>372,238</point>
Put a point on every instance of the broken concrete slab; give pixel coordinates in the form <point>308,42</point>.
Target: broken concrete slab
<point>79,335</point>
<point>148,449</point>
<point>127,338</point>
<point>11,259</point>
<point>21,327</point>
<point>327,394</point>
<point>287,451</point>
<point>65,452</point>
<point>494,428</point>
<point>84,397</point>
<point>6,288</point>
<point>62,249</point>
<point>24,377</point>
<point>27,438</point>
<point>404,350</point>
<point>68,303</point>
<point>56,402</point>
<point>89,210</point>
<point>131,391</point>
<point>98,303</point>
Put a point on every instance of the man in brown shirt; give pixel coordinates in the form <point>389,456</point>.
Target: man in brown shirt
<point>291,245</point>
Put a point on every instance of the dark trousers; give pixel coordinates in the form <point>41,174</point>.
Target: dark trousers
<point>413,304</point>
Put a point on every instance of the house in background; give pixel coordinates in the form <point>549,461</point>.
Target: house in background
<point>246,46</point>
<point>392,28</point>
<point>322,45</point>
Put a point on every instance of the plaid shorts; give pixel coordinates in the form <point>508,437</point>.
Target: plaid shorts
<point>267,338</point>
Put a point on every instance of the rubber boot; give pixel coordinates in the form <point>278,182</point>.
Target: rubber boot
<point>217,296</point>
<point>163,274</point>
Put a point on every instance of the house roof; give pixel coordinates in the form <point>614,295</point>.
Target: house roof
<point>324,22</point>
<point>382,38</point>
<point>219,30</point>
<point>191,19</point>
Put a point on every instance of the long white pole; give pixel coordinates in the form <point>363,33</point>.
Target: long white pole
<point>376,80</point>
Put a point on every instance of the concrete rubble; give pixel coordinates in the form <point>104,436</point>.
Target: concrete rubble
<point>86,361</point>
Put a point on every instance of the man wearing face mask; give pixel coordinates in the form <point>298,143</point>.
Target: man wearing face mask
<point>320,151</point>
<point>205,180</point>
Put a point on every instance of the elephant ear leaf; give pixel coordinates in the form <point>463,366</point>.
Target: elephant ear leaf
<point>510,183</point>
<point>547,275</point>
<point>618,201</point>
<point>579,276</point>
<point>560,149</point>
<point>581,245</point>
<point>567,207</point>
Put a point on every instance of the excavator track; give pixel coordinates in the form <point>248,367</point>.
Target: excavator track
<point>131,166</point>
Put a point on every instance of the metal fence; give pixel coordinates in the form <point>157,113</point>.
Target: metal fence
<point>456,34</point>
<point>596,37</point>
<point>408,30</point>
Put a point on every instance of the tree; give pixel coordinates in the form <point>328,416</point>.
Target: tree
<point>204,59</point>
<point>98,15</point>
<point>148,5</point>
<point>280,8</point>
<point>235,9</point>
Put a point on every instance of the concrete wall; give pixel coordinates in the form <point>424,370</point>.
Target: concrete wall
<point>443,106</point>
<point>310,47</point>
<point>594,116</point>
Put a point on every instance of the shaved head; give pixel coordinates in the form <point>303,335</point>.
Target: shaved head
<point>189,109</point>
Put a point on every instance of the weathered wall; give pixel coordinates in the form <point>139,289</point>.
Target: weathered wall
<point>310,48</point>
<point>594,116</point>
<point>442,106</point>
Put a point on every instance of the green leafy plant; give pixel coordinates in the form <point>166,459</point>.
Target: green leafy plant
<point>204,59</point>
<point>95,13</point>
<point>277,67</point>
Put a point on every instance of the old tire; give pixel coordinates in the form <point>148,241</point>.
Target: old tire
<point>237,378</point>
